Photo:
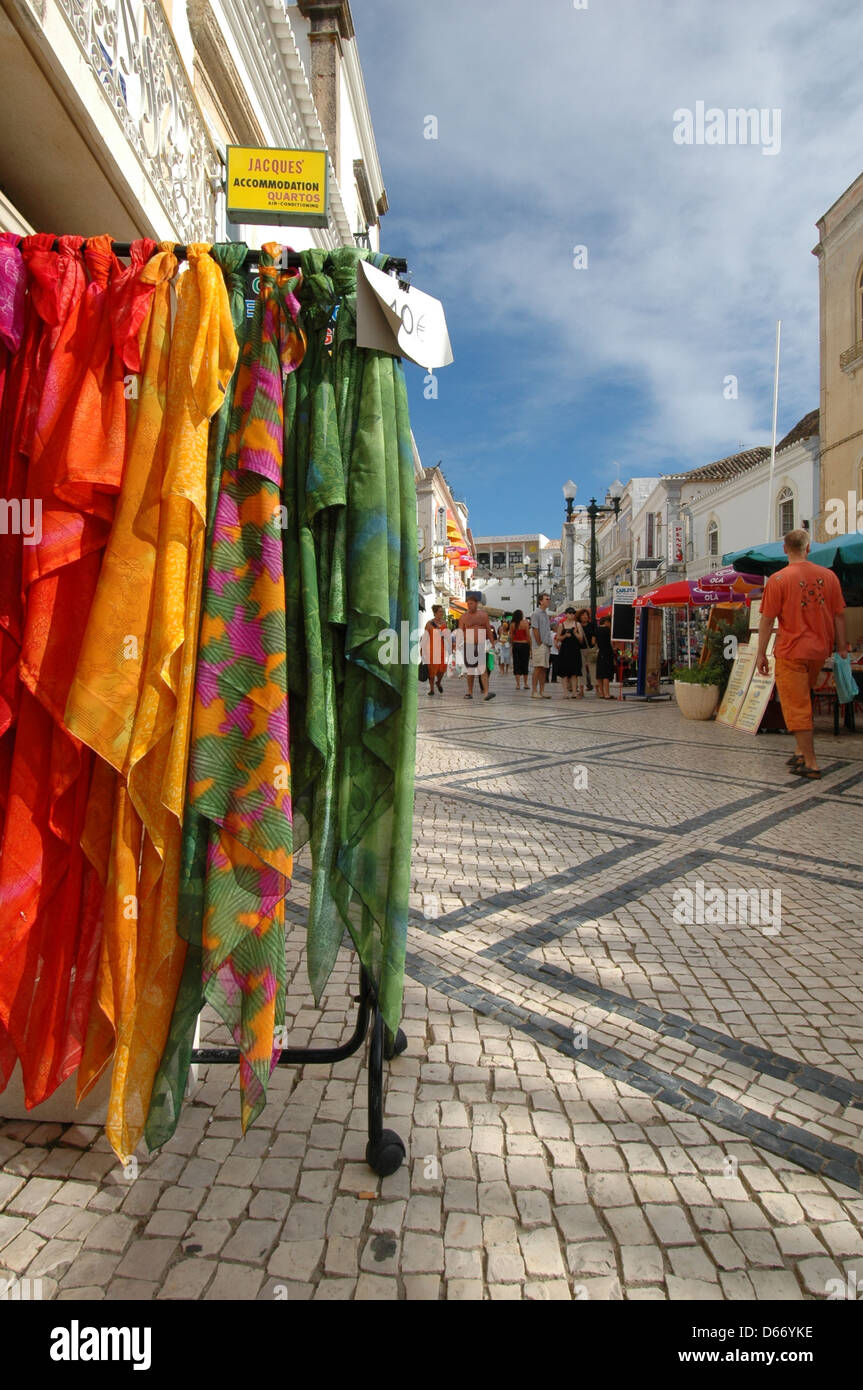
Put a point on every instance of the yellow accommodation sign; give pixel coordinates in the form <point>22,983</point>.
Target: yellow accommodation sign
<point>286,187</point>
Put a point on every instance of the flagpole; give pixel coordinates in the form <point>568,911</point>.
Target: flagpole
<point>773,444</point>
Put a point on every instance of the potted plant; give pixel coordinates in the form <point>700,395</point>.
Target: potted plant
<point>698,689</point>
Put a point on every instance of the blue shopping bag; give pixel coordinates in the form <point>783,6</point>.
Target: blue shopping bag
<point>843,678</point>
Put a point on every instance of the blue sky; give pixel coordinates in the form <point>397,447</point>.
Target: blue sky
<point>555,130</point>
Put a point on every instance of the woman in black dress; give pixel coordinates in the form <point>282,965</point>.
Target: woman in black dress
<point>568,652</point>
<point>605,659</point>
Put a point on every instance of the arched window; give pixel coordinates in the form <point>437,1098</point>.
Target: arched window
<point>785,511</point>
<point>713,539</point>
<point>860,306</point>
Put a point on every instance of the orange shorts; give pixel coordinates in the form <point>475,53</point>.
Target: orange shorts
<point>795,679</point>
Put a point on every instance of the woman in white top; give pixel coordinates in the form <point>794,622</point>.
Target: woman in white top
<point>505,652</point>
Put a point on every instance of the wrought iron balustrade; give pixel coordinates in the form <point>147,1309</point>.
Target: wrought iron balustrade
<point>129,46</point>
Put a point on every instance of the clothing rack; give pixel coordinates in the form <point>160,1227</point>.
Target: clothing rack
<point>123,248</point>
<point>385,1149</point>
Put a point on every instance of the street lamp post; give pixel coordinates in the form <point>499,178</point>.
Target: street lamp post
<point>569,491</point>
<point>531,574</point>
<point>592,511</point>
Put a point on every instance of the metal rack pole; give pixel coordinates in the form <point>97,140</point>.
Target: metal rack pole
<point>385,1150</point>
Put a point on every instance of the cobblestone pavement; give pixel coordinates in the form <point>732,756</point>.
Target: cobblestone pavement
<point>611,1089</point>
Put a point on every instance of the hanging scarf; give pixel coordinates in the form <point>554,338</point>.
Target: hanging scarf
<point>169,1086</point>
<point>106,690</point>
<point>354,727</point>
<point>56,280</point>
<point>315,493</point>
<point>143,958</point>
<point>240,765</point>
<point>75,471</point>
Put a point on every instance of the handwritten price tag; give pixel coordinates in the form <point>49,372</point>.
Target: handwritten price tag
<point>405,322</point>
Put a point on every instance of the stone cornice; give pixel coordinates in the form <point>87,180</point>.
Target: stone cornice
<point>224,80</point>
<point>356,86</point>
<point>329,11</point>
<point>249,36</point>
<point>311,133</point>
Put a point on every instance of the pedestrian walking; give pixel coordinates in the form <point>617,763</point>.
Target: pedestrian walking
<point>540,632</point>
<point>568,652</point>
<point>503,637</point>
<point>807,601</point>
<point>604,659</point>
<point>589,650</point>
<point>520,639</point>
<point>437,648</point>
<point>553,655</point>
<point>476,634</point>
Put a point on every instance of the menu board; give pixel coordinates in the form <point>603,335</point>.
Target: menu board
<point>738,684</point>
<point>756,701</point>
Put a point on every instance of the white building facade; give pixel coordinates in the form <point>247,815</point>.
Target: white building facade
<point>116,115</point>
<point>443,530</point>
<point>512,570</point>
<point>690,520</point>
<point>747,510</point>
<point>615,548</point>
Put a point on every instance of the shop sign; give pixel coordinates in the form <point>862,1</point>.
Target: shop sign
<point>675,544</point>
<point>285,187</point>
<point>623,593</point>
<point>623,613</point>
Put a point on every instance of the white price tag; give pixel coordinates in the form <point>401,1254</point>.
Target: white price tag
<point>405,322</point>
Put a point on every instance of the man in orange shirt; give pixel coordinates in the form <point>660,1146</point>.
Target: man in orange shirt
<point>807,600</point>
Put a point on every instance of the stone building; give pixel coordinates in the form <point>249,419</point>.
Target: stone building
<point>840,280</point>
<point>512,570</point>
<point>615,560</point>
<point>445,542</point>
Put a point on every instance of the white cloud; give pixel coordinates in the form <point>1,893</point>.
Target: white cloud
<point>555,129</point>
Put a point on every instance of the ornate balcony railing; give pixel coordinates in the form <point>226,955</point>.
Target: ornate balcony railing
<point>129,46</point>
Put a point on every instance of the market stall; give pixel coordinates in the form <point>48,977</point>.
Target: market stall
<point>191,685</point>
<point>723,586</point>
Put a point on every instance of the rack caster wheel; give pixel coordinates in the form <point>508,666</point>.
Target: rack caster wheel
<point>386,1155</point>
<point>394,1046</point>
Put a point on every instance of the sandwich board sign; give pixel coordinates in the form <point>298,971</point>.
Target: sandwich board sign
<point>623,613</point>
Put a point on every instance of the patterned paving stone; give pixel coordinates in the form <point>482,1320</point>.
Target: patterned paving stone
<point>601,1102</point>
